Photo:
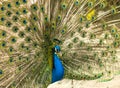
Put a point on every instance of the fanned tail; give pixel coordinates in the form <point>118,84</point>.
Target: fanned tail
<point>89,32</point>
<point>22,58</point>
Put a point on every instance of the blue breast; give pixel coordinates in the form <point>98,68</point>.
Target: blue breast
<point>58,69</point>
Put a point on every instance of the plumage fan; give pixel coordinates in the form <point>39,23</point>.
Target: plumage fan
<point>39,39</point>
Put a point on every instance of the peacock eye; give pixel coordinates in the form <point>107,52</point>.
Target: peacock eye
<point>90,4</point>
<point>74,54</point>
<point>19,68</point>
<point>24,22</point>
<point>42,9</point>
<point>8,24</point>
<point>24,11</point>
<point>92,36</point>
<point>11,49</point>
<point>70,45</point>
<point>113,11</point>
<point>113,30</point>
<point>27,58</point>
<point>35,28</point>
<point>100,41</point>
<point>102,5</point>
<point>17,13</point>
<point>38,54</point>
<point>35,45</point>
<point>27,48</point>
<point>3,33</point>
<point>21,34</point>
<point>89,67</point>
<point>113,52</point>
<point>89,48</point>
<point>46,19</point>
<point>15,18</point>
<point>118,3</point>
<point>53,27</point>
<point>116,35</point>
<point>19,57</point>
<point>93,18</point>
<point>76,2</point>
<point>46,36</point>
<point>24,1</point>
<point>85,57</point>
<point>34,7</point>
<point>103,53</point>
<point>17,3</point>
<point>79,29</point>
<point>11,59</point>
<point>95,55</point>
<point>2,8</point>
<point>28,29</point>
<point>63,6</point>
<point>84,34</point>
<point>35,18</point>
<point>81,19</point>
<point>9,5</point>
<point>28,39</point>
<point>8,13</point>
<point>115,44</point>
<point>108,47</point>
<point>87,25</point>
<point>81,43</point>
<point>75,40</point>
<point>63,31</point>
<point>13,40</point>
<point>22,45</point>
<point>53,23</point>
<point>15,29</point>
<point>1,72</point>
<point>2,19</point>
<point>3,44</point>
<point>59,17</point>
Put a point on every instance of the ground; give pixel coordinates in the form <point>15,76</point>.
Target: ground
<point>67,83</point>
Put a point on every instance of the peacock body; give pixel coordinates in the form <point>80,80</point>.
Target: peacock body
<point>43,40</point>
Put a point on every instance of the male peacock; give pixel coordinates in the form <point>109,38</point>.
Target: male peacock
<point>43,40</point>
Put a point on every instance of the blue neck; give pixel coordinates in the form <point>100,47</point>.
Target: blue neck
<point>58,69</point>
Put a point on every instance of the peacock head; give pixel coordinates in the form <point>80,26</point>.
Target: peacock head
<point>57,48</point>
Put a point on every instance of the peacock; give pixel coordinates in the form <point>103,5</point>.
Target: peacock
<point>44,41</point>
